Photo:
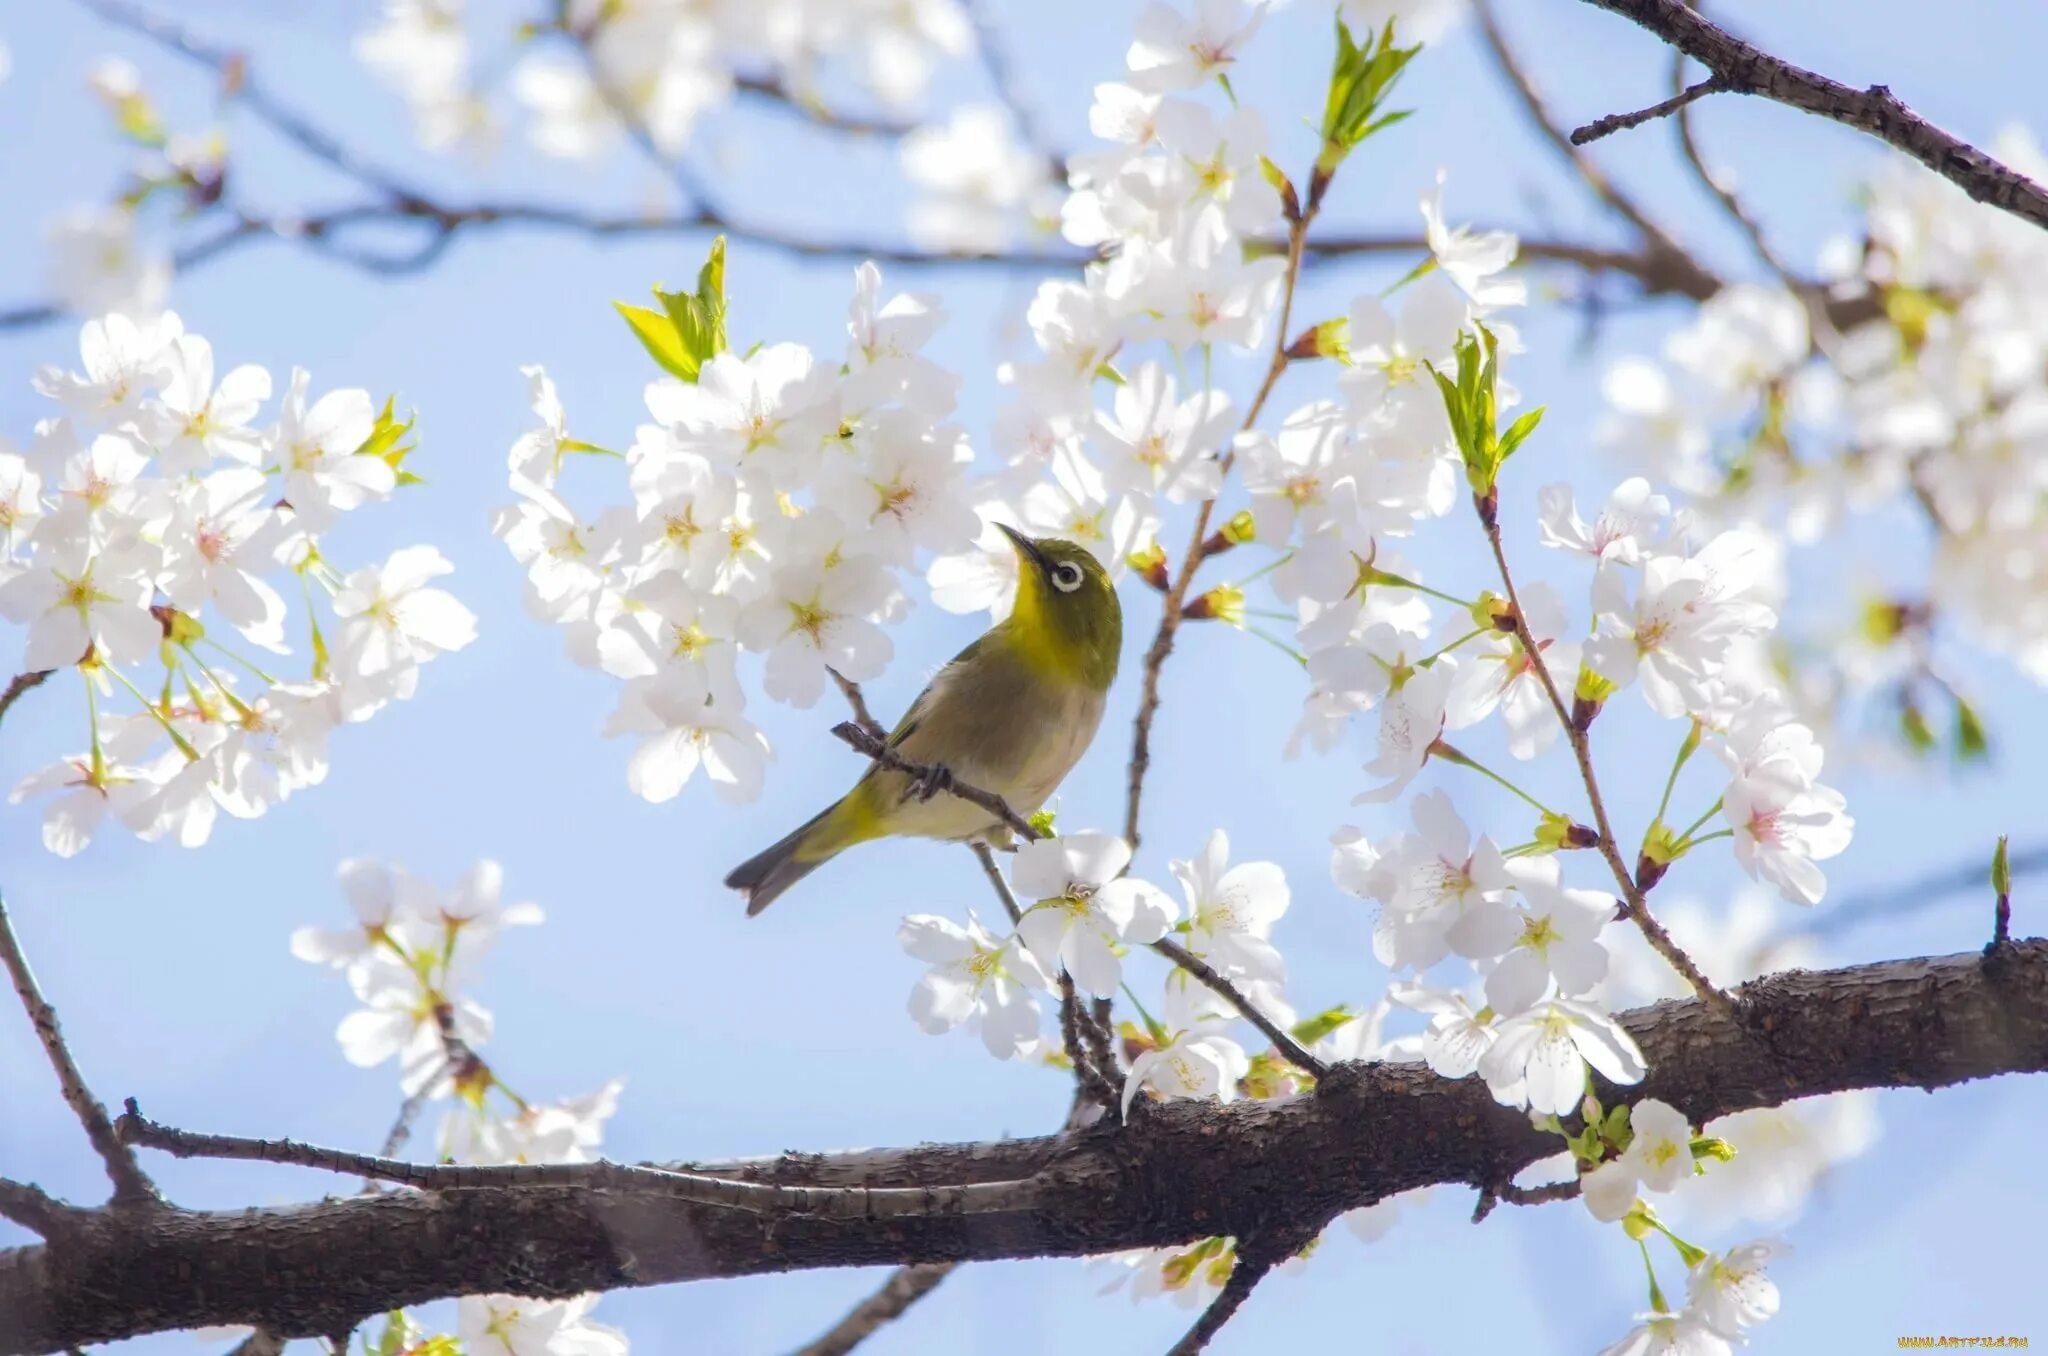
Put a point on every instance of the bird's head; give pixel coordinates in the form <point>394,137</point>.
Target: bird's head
<point>1066,616</point>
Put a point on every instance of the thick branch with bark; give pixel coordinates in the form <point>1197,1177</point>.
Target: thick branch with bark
<point>1181,1171</point>
<point>1742,68</point>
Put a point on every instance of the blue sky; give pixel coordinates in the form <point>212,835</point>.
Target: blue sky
<point>741,1037</point>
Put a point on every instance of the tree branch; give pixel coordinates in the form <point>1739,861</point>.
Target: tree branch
<point>1296,1053</point>
<point>1634,904</point>
<point>622,1178</point>
<point>1185,1170</point>
<point>19,685</point>
<point>934,780</point>
<point>1250,1268</point>
<point>859,703</point>
<point>905,1287</point>
<point>1746,69</point>
<point>131,1186</point>
<point>1656,240</point>
<point>1617,122</point>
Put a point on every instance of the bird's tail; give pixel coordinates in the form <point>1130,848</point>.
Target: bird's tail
<point>764,876</point>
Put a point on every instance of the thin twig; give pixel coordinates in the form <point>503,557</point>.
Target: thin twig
<point>131,1185</point>
<point>1002,78</point>
<point>1490,1196</point>
<point>20,684</point>
<point>695,1188</point>
<point>905,1287</point>
<point>1654,236</point>
<point>1283,1041</point>
<point>1634,904</point>
<point>442,223</point>
<point>1747,69</point>
<point>859,703</point>
<point>984,854</point>
<point>1094,1069</point>
<point>261,1342</point>
<point>771,90</point>
<point>1751,228</point>
<point>935,779</point>
<point>1170,611</point>
<point>1912,895</point>
<point>1616,122</point>
<point>1251,1268</point>
<point>1094,1083</point>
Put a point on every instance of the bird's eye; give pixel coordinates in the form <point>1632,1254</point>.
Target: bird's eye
<point>1066,576</point>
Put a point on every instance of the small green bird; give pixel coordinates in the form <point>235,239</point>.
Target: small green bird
<point>1011,714</point>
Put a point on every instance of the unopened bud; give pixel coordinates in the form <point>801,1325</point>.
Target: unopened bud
<point>1150,564</point>
<point>1224,603</point>
<point>1708,1146</point>
<point>2001,869</point>
<point>1331,339</point>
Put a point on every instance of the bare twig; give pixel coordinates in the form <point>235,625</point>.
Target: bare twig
<point>1002,79</point>
<point>1746,69</point>
<point>261,1342</point>
<point>1654,236</point>
<point>20,684</point>
<point>1253,1262</point>
<point>131,1185</point>
<point>695,1188</point>
<point>905,1287</point>
<point>1094,1083</point>
<point>936,779</point>
<point>1751,228</point>
<point>1634,904</point>
<point>771,90</point>
<point>232,68</point>
<point>441,224</point>
<point>1171,608</point>
<point>859,703</point>
<point>1912,895</point>
<point>1616,122</point>
<point>1283,1041</point>
<point>1491,1196</point>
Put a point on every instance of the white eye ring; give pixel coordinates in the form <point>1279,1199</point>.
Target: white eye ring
<point>1066,576</point>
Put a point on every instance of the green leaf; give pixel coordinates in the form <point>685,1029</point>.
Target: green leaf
<point>387,442</point>
<point>1309,1030</point>
<point>1972,742</point>
<point>657,334</point>
<point>1518,431</point>
<point>1109,374</point>
<point>2001,869</point>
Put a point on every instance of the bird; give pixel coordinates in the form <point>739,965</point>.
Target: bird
<point>1010,714</point>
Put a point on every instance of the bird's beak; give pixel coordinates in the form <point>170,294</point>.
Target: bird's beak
<point>1026,548</point>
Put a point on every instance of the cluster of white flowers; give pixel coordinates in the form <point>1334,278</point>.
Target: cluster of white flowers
<point>661,63</point>
<point>1935,398</point>
<point>410,958</point>
<point>141,532</point>
<point>1080,913</point>
<point>774,503</point>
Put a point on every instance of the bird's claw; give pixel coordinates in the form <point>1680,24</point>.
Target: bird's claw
<point>934,779</point>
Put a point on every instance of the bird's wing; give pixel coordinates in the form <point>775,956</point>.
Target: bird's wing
<point>928,698</point>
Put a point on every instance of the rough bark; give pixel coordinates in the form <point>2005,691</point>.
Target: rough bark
<point>1180,1171</point>
<point>1742,68</point>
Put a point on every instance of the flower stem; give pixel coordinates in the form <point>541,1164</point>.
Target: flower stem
<point>1473,634</point>
<point>184,745</point>
<point>1711,811</point>
<point>1453,755</point>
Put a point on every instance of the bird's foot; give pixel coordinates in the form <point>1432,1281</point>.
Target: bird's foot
<point>934,779</point>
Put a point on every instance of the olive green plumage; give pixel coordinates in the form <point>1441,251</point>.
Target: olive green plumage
<point>1012,714</point>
